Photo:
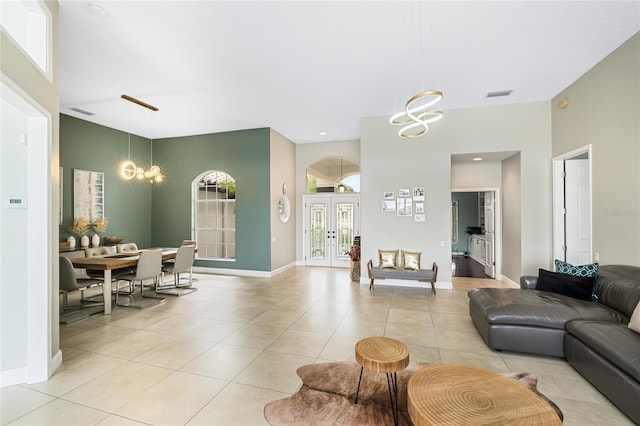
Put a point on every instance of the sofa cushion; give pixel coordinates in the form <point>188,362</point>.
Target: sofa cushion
<point>537,308</point>
<point>569,285</point>
<point>590,270</point>
<point>634,322</point>
<point>614,342</point>
<point>618,286</point>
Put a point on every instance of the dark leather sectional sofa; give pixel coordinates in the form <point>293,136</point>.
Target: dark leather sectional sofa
<point>593,336</point>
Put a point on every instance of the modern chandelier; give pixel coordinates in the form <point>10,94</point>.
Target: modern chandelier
<point>419,111</point>
<point>417,114</point>
<point>128,169</point>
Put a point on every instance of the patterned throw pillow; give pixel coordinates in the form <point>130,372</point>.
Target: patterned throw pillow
<point>590,270</point>
<point>411,260</point>
<point>388,258</point>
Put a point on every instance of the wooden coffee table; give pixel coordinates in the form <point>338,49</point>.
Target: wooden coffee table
<point>463,395</point>
<point>383,355</point>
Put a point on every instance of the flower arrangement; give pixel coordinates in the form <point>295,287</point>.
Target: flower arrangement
<point>80,226</point>
<point>100,225</point>
<point>354,252</point>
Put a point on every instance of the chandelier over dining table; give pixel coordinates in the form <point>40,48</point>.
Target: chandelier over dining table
<point>128,169</point>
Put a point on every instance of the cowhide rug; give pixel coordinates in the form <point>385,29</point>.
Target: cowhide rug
<point>328,390</point>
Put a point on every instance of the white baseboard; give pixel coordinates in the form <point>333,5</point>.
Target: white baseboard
<point>12,377</point>
<point>242,272</point>
<point>507,280</point>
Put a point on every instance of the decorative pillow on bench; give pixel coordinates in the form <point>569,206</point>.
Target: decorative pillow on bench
<point>388,258</point>
<point>569,285</point>
<point>411,260</point>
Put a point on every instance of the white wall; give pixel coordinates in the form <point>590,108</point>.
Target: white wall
<point>511,219</point>
<point>604,111</point>
<point>307,154</point>
<point>283,169</point>
<point>389,163</point>
<point>482,174</point>
<point>40,275</point>
<point>13,245</point>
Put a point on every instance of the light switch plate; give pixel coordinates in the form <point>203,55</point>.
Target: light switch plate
<point>15,202</point>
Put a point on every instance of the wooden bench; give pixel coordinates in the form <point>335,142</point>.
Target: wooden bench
<point>422,275</point>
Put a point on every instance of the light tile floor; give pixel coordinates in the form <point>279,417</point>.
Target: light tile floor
<point>217,356</point>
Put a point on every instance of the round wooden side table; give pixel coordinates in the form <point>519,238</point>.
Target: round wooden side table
<point>464,395</point>
<point>383,355</point>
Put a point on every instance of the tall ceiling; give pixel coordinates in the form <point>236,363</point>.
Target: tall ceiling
<point>306,67</point>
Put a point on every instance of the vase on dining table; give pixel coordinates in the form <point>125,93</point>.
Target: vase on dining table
<point>84,241</point>
<point>95,240</point>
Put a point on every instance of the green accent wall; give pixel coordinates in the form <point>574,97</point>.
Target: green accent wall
<point>160,215</point>
<point>245,155</point>
<point>88,146</point>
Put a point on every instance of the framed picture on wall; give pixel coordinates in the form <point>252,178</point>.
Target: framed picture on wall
<point>419,208</point>
<point>388,195</point>
<point>389,206</point>
<point>418,193</point>
<point>405,207</point>
<point>88,195</point>
<point>404,192</point>
<point>419,218</point>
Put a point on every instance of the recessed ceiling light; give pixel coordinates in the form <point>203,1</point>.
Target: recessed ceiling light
<point>477,159</point>
<point>323,133</point>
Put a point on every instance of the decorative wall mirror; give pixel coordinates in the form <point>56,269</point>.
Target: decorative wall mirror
<point>284,208</point>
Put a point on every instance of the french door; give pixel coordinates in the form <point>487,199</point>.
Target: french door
<point>331,222</point>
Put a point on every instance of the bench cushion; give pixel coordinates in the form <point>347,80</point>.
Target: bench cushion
<point>402,274</point>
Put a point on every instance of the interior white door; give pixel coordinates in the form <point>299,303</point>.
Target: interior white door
<point>578,212</point>
<point>331,222</point>
<point>489,234</point>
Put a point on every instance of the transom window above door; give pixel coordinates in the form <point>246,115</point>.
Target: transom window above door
<point>334,174</point>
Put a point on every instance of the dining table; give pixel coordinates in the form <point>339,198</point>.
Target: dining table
<point>116,261</point>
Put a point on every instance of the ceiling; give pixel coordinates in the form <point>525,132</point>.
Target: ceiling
<point>306,67</point>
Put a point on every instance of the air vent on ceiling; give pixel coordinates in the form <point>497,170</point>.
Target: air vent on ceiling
<point>82,111</point>
<point>499,93</point>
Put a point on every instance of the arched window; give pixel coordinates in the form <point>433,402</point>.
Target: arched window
<point>333,174</point>
<point>214,215</point>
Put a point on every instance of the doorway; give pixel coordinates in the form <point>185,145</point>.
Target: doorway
<point>572,207</point>
<point>473,242</point>
<point>331,221</point>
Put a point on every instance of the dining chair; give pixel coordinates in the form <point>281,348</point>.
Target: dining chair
<point>102,252</point>
<point>149,268</point>
<point>70,282</point>
<point>183,264</point>
<point>127,247</point>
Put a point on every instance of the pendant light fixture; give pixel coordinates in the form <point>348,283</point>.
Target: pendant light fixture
<point>419,110</point>
<point>128,169</point>
<point>341,185</point>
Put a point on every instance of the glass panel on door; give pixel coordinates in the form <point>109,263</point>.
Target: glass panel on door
<point>332,222</point>
<point>345,226</point>
<point>318,229</point>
